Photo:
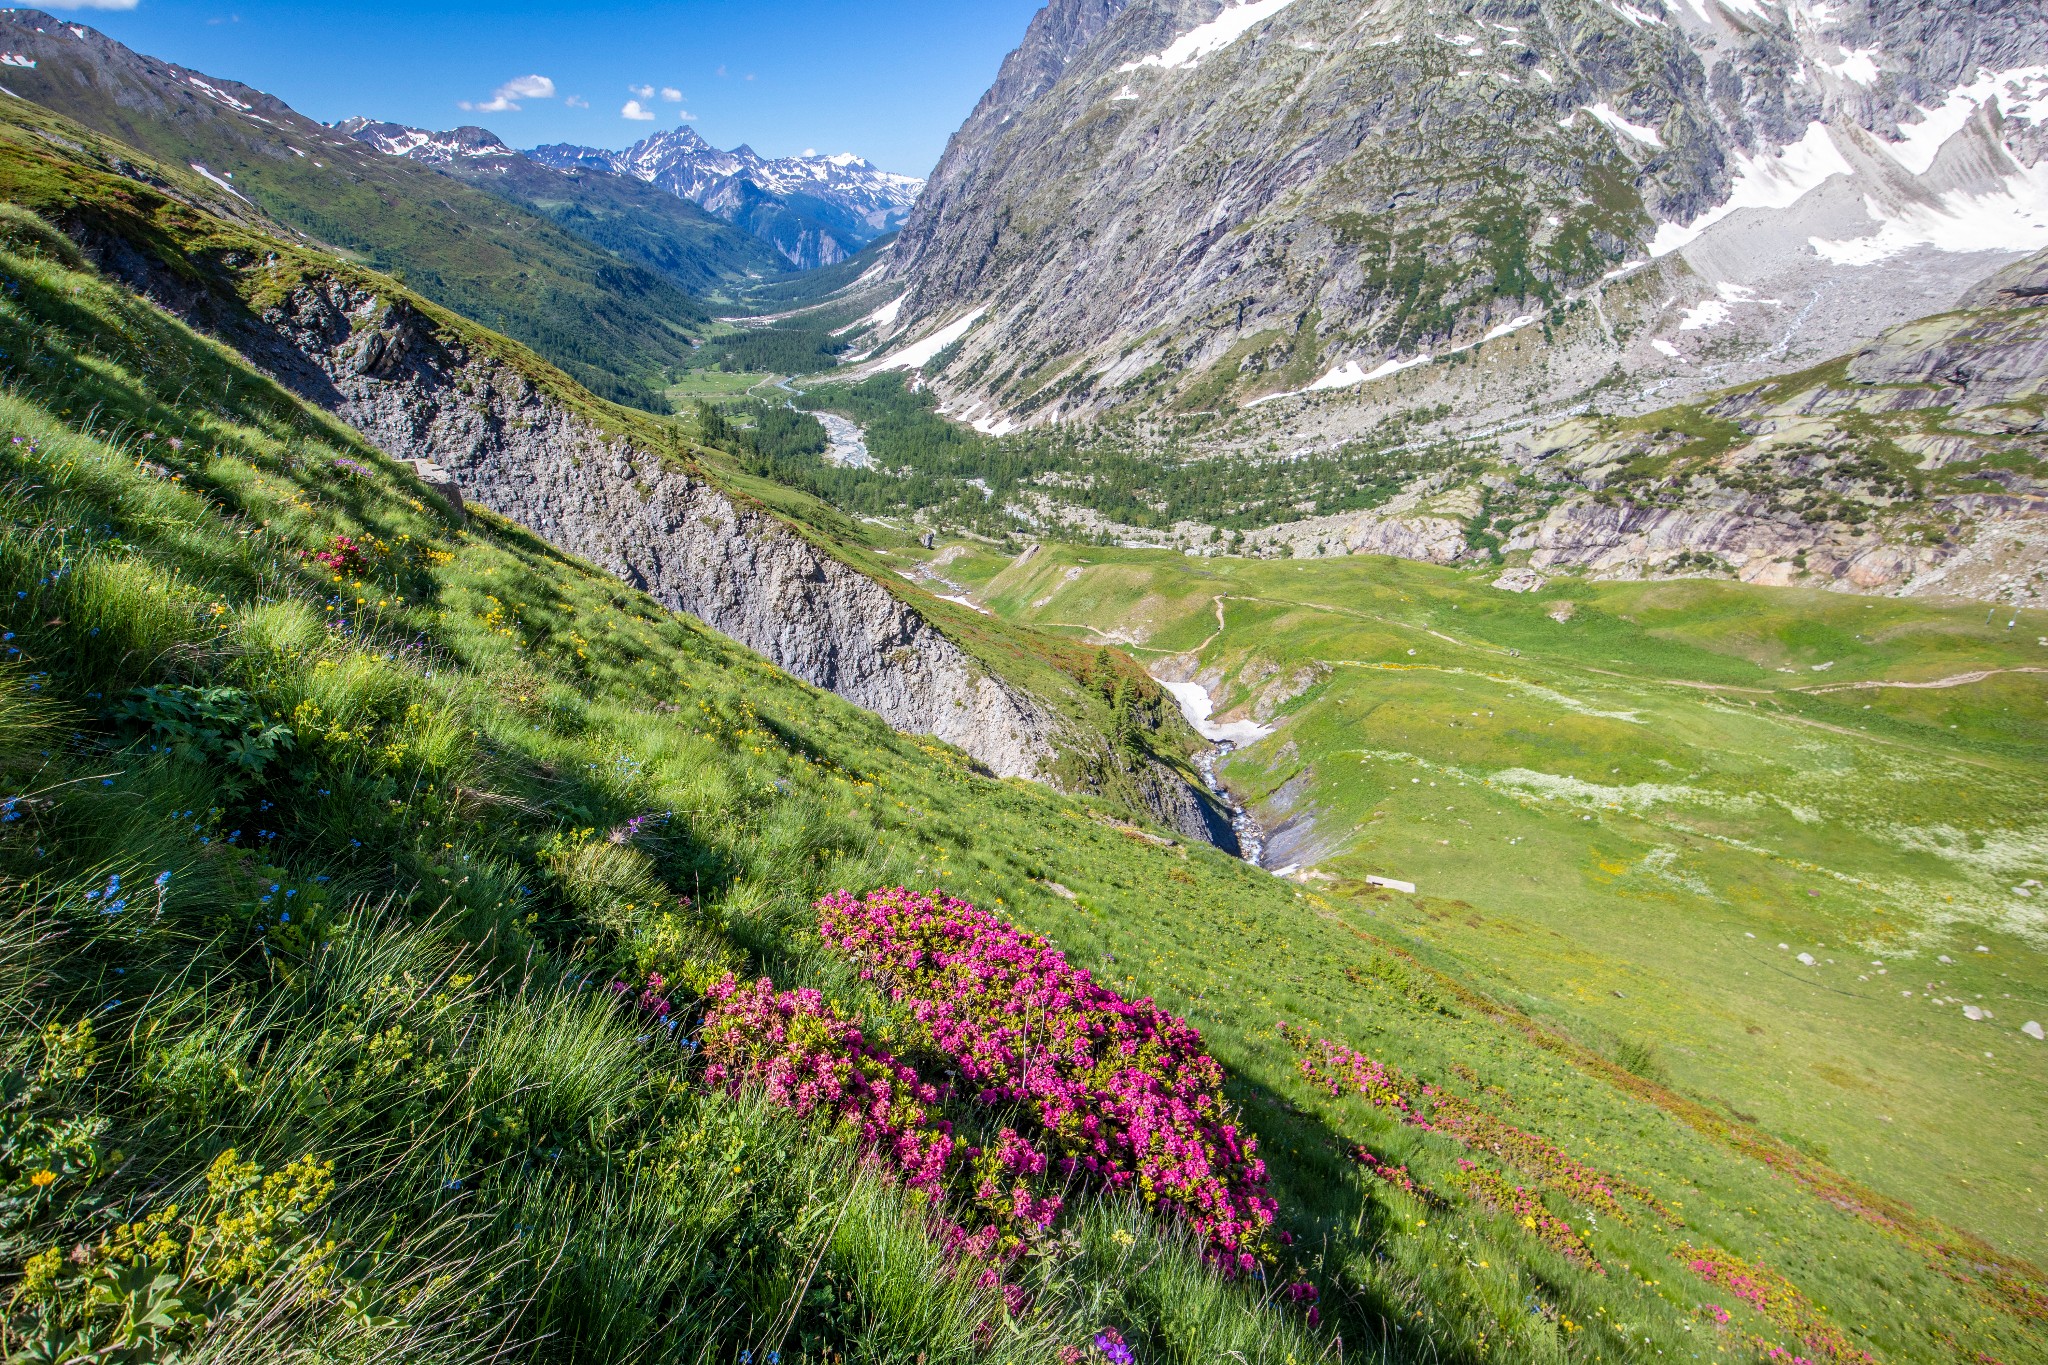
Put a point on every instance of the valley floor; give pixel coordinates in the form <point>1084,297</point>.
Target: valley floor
<point>1783,849</point>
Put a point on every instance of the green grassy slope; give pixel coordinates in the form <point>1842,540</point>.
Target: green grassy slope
<point>471,717</point>
<point>1635,821</point>
<point>228,272</point>
<point>617,325</point>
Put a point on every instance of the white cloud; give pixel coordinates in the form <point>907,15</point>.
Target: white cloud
<point>810,151</point>
<point>505,99</point>
<point>577,102</point>
<point>645,92</point>
<point>721,69</point>
<point>637,112</point>
<point>93,4</point>
<point>671,94</point>
<point>685,116</point>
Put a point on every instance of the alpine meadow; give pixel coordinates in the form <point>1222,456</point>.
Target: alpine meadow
<point>1370,683</point>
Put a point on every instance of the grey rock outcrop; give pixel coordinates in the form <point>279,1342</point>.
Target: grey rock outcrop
<point>1787,483</point>
<point>512,448</point>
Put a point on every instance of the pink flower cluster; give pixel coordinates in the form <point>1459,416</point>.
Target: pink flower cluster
<point>1780,1301</point>
<point>1117,1092</point>
<point>1337,1070</point>
<point>1397,1176</point>
<point>814,1062</point>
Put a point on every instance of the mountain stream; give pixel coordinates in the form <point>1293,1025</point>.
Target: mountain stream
<point>1197,705</point>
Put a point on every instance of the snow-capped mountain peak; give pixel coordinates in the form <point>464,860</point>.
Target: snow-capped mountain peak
<point>417,144</point>
<point>682,162</point>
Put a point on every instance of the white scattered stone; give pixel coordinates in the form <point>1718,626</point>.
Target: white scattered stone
<point>1519,580</point>
<point>1972,1013</point>
<point>2032,1028</point>
<point>1806,958</point>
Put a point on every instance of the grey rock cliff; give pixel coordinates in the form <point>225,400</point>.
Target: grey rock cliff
<point>511,448</point>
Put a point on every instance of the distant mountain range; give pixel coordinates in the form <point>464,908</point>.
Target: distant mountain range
<point>818,210</point>
<point>814,210</point>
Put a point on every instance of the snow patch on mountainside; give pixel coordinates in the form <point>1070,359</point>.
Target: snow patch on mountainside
<point>919,354</point>
<point>1206,40</point>
<point>1353,373</point>
<point>1606,114</point>
<point>1776,181</point>
<point>214,92</point>
<point>1197,705</point>
<point>886,315</point>
<point>2017,90</point>
<point>2010,217</point>
<point>1857,64</point>
<point>209,175</point>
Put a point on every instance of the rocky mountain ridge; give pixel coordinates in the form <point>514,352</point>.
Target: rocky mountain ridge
<point>1202,205</point>
<point>818,210</point>
<point>435,149</point>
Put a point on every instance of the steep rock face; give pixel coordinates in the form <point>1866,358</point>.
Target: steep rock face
<point>1214,201</point>
<point>382,369</point>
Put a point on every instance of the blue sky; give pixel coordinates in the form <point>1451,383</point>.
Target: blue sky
<point>889,79</point>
